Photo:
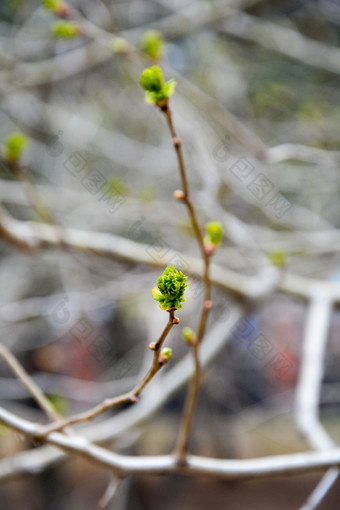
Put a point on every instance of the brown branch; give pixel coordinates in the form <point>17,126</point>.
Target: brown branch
<point>182,446</point>
<point>183,441</point>
<point>109,403</point>
<point>28,383</point>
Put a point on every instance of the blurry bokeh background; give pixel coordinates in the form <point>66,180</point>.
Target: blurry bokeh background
<point>251,75</point>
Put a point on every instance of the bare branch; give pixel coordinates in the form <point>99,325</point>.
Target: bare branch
<point>153,399</point>
<point>309,388</point>
<point>28,383</point>
<point>283,40</point>
<point>164,464</point>
<point>109,403</point>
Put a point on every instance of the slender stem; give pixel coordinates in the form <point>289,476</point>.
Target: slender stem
<point>182,446</point>
<point>109,403</point>
<point>178,148</point>
<point>32,195</point>
<point>155,364</point>
<point>183,441</point>
<point>28,383</point>
<point>109,493</point>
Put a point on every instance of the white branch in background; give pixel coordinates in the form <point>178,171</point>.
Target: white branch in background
<point>241,233</point>
<point>309,389</point>
<point>154,397</point>
<point>283,40</point>
<point>193,16</point>
<point>32,236</point>
<point>164,464</point>
<point>313,155</point>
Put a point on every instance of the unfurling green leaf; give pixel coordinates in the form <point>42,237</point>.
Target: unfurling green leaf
<point>170,288</point>
<point>157,91</point>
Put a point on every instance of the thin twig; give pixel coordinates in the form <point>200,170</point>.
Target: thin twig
<point>109,403</point>
<point>34,198</point>
<point>183,440</point>
<point>109,493</point>
<point>28,383</point>
<point>37,460</point>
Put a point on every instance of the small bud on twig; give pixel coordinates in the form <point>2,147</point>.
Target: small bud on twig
<point>157,91</point>
<point>209,248</point>
<point>213,237</point>
<point>119,45</point>
<point>189,336</point>
<point>179,194</point>
<point>65,29</point>
<point>152,346</point>
<point>165,355</point>
<point>153,44</point>
<point>175,320</point>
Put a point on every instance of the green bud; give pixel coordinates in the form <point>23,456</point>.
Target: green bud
<point>189,335</point>
<point>213,237</point>
<point>152,79</point>
<point>165,355</point>
<point>65,29</point>
<point>15,144</point>
<point>214,232</point>
<point>153,44</point>
<point>278,258</point>
<point>170,288</point>
<point>157,91</point>
<point>58,7</point>
<point>53,5</point>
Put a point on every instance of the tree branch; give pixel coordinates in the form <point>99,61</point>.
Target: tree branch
<point>109,403</point>
<point>165,464</point>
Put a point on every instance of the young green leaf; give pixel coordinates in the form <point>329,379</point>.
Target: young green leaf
<point>169,292</point>
<point>157,91</point>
